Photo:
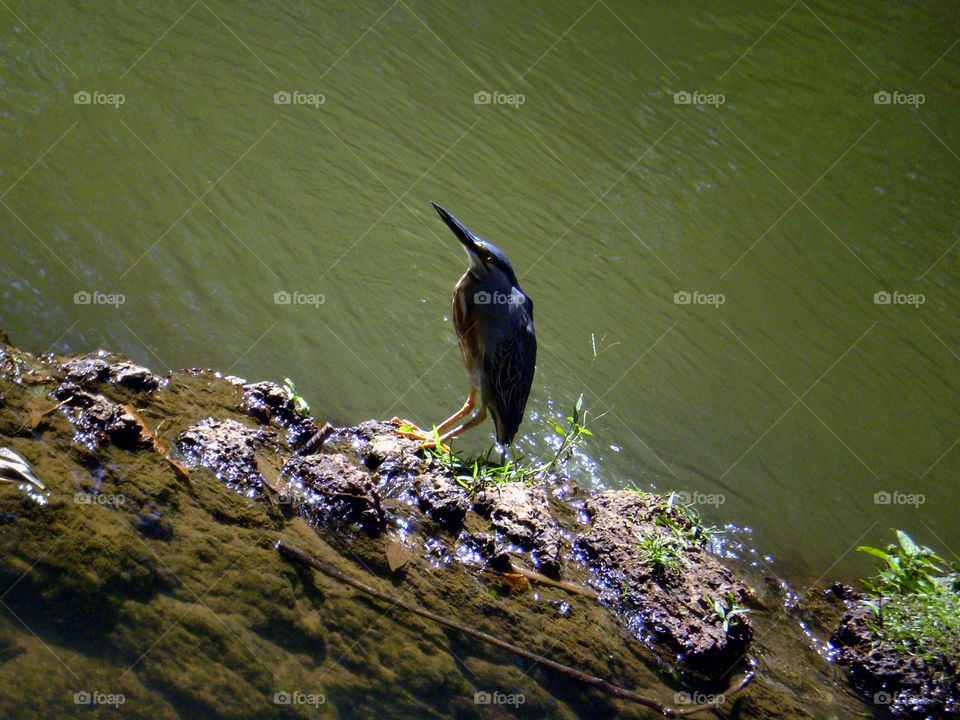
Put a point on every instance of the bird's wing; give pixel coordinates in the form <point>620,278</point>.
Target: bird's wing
<point>509,366</point>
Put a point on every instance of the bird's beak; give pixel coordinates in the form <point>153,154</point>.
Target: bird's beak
<point>467,238</point>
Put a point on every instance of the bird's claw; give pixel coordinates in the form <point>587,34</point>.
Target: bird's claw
<point>427,438</point>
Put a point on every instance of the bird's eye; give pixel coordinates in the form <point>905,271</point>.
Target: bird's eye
<point>489,258</point>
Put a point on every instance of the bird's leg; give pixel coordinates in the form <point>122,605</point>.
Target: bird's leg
<point>473,422</point>
<point>426,435</point>
<point>467,408</point>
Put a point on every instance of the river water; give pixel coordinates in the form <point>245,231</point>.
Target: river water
<point>704,200</point>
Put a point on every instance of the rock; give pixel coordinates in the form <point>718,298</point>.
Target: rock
<point>334,490</point>
<point>393,457</point>
<point>672,607</point>
<point>522,514</point>
<point>444,499</point>
<point>267,401</point>
<point>98,420</point>
<point>264,400</point>
<point>95,369</point>
<point>227,448</point>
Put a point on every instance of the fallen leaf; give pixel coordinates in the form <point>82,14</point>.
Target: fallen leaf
<point>398,555</point>
<point>516,581</point>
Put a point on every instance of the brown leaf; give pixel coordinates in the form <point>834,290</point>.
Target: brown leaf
<point>398,555</point>
<point>179,469</point>
<point>516,581</point>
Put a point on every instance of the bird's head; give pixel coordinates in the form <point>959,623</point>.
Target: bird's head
<point>486,259</point>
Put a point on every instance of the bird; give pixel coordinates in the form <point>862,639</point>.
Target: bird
<point>493,320</point>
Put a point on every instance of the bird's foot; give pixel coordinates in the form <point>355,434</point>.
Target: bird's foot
<point>428,438</point>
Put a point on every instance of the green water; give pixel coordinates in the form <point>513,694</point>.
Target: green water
<point>797,199</point>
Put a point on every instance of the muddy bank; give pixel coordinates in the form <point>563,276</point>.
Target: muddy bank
<point>146,570</point>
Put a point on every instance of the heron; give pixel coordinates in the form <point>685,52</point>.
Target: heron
<point>493,320</point>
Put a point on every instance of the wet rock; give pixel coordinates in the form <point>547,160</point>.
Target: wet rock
<point>98,368</point>
<point>443,499</point>
<point>911,686</point>
<point>267,401</point>
<point>392,456</point>
<point>522,514</point>
<point>228,448</point>
<point>670,607</point>
<point>100,421</point>
<point>336,490</point>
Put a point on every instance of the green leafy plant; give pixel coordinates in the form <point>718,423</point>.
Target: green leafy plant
<point>916,599</point>
<point>728,613</point>
<point>910,568</point>
<point>299,404</point>
<point>571,436</point>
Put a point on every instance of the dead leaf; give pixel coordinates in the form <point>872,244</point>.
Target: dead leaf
<point>181,471</point>
<point>398,555</point>
<point>270,474</point>
<point>516,581</point>
<point>35,415</point>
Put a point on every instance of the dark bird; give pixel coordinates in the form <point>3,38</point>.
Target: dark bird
<point>493,319</point>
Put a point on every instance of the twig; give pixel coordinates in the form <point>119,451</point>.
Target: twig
<point>293,553</point>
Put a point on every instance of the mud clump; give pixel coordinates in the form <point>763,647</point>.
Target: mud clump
<point>393,458</point>
<point>522,514</point>
<point>267,401</point>
<point>912,687</point>
<point>97,369</point>
<point>335,489</point>
<point>100,421</point>
<point>226,447</point>
<point>677,606</point>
